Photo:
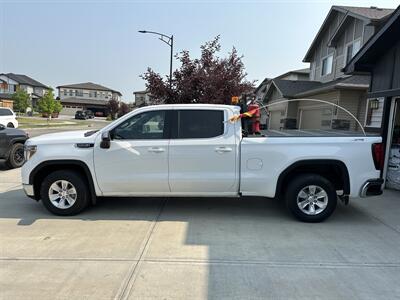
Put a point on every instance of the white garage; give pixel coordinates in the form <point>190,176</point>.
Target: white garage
<point>315,118</point>
<point>275,119</point>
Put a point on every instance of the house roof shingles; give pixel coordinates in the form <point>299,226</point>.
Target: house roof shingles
<point>89,86</point>
<point>23,79</point>
<point>289,88</point>
<point>372,13</point>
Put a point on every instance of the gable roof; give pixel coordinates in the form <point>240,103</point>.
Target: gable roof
<point>372,13</point>
<point>376,45</point>
<point>23,79</point>
<point>367,14</point>
<point>289,88</point>
<point>89,86</point>
<point>298,71</point>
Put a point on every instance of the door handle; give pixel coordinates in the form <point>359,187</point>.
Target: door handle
<point>156,149</point>
<point>223,149</point>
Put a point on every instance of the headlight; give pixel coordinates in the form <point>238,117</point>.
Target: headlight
<point>30,151</point>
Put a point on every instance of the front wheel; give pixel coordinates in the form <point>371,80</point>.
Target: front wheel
<point>311,198</point>
<point>64,193</point>
<point>16,157</point>
<point>10,125</point>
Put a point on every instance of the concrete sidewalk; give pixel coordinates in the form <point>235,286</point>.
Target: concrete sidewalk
<point>191,248</point>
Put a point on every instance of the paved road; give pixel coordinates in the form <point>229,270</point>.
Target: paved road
<point>196,248</point>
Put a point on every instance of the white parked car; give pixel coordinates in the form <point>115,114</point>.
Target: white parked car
<point>8,118</point>
<point>192,150</point>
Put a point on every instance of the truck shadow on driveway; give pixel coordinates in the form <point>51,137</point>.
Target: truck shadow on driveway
<point>216,247</point>
<point>14,204</point>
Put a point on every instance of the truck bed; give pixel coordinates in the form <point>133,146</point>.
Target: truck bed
<point>312,133</point>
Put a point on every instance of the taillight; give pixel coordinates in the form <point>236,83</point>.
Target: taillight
<point>377,154</point>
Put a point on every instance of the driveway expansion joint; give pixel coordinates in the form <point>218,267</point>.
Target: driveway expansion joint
<point>128,282</point>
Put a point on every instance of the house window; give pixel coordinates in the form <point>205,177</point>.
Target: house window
<point>95,94</point>
<point>65,92</point>
<point>327,63</point>
<point>373,117</point>
<point>352,49</point>
<point>70,93</point>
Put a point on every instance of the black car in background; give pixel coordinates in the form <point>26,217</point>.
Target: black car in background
<point>12,146</point>
<point>81,115</point>
<point>89,113</point>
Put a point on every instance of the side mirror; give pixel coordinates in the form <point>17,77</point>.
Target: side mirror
<point>105,140</point>
<point>2,127</point>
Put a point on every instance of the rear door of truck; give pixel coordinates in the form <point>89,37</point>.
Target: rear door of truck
<point>203,153</point>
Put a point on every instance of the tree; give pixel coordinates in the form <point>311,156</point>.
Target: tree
<point>123,109</point>
<point>209,79</point>
<point>21,100</point>
<point>48,105</point>
<point>113,107</point>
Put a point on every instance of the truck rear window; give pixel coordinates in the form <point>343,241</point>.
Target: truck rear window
<point>194,124</point>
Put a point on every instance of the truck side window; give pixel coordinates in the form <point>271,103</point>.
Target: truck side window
<point>145,126</point>
<point>5,112</point>
<point>194,124</point>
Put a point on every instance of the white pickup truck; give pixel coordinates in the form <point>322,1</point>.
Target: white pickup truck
<point>193,150</point>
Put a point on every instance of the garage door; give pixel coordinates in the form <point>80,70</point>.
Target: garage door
<point>275,120</point>
<point>318,118</point>
<point>70,111</point>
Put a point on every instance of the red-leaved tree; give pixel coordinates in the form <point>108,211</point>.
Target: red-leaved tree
<point>123,109</point>
<point>208,79</point>
<point>113,106</point>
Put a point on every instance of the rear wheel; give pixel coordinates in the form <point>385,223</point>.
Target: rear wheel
<point>16,157</point>
<point>311,198</point>
<point>64,193</point>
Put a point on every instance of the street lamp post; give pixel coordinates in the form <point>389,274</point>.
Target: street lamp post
<point>169,40</point>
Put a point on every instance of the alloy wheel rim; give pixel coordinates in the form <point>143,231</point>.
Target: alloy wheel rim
<point>312,200</point>
<point>62,194</point>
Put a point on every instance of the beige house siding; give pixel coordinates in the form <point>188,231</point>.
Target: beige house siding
<point>329,96</point>
<point>354,101</point>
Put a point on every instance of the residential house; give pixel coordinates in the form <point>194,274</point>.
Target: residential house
<point>380,57</point>
<point>262,95</point>
<point>86,96</point>
<point>10,83</point>
<point>142,98</point>
<point>344,31</point>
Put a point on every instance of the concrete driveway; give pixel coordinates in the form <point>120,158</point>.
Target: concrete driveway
<point>196,249</point>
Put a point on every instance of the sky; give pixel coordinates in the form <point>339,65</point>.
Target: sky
<point>65,42</point>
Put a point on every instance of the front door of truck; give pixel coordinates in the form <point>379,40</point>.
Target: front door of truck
<point>137,161</point>
<point>203,155</point>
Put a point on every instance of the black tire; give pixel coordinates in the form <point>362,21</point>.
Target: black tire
<point>78,182</point>
<point>305,182</point>
<point>10,125</point>
<point>16,156</point>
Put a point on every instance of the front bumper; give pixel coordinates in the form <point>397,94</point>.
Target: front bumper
<point>372,187</point>
<point>28,189</point>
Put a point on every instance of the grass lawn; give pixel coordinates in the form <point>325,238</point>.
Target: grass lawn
<point>28,122</point>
